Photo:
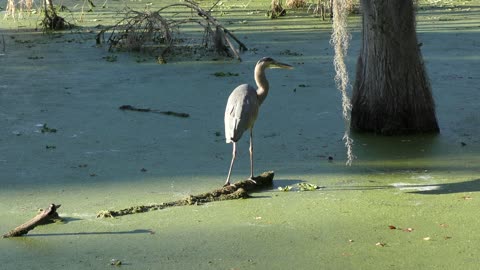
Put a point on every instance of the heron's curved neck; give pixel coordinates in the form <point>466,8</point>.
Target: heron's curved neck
<point>262,83</point>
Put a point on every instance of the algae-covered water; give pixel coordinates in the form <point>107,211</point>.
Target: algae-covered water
<point>406,203</point>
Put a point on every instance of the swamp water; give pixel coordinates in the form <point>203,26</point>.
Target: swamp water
<point>425,188</point>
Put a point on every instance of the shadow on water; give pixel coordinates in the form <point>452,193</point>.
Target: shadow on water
<point>286,182</point>
<point>431,189</point>
<point>139,231</point>
<point>70,219</point>
<point>460,187</point>
<point>402,146</point>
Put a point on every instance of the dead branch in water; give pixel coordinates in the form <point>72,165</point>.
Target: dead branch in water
<point>276,10</point>
<point>238,190</point>
<point>46,216</point>
<point>296,3</point>
<point>51,20</point>
<point>138,31</point>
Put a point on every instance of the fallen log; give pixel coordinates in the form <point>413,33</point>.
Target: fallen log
<point>46,216</point>
<point>238,190</point>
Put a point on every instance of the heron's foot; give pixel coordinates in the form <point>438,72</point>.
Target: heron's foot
<point>227,184</point>
<point>251,180</point>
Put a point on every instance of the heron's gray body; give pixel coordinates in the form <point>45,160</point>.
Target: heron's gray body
<point>242,109</point>
<point>241,112</point>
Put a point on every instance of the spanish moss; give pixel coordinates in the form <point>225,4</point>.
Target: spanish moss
<point>340,41</point>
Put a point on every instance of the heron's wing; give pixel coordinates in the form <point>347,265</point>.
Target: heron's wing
<point>241,112</point>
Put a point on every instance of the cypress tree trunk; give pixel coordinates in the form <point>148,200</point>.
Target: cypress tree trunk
<point>391,94</point>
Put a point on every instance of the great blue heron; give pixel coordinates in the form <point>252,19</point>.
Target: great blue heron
<point>242,109</point>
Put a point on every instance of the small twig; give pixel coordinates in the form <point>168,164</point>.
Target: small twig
<point>214,5</point>
<point>46,216</point>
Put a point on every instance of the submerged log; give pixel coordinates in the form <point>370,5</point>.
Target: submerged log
<point>238,190</point>
<point>46,216</point>
<point>131,108</point>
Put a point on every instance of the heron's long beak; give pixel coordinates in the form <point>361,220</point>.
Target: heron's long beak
<point>280,65</point>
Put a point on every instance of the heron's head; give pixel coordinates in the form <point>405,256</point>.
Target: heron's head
<point>267,62</point>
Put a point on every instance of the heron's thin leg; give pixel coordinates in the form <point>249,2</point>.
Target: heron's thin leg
<point>251,155</point>
<point>234,153</point>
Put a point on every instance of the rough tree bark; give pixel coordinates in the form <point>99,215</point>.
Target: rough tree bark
<point>391,94</point>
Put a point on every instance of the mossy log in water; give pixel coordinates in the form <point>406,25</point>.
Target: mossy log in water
<point>238,190</point>
<point>46,216</point>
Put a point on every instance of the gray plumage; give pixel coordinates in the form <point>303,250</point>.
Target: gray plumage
<point>241,112</point>
<point>243,106</point>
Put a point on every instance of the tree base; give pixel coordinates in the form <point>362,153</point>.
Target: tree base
<point>55,22</point>
<point>391,126</point>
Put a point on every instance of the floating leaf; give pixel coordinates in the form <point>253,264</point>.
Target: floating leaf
<point>308,187</point>
<point>426,238</point>
<point>285,188</point>
<point>391,227</point>
<point>380,244</point>
<point>289,52</point>
<point>110,58</point>
<point>408,230</point>
<point>115,262</point>
<point>46,129</point>
<point>35,57</point>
